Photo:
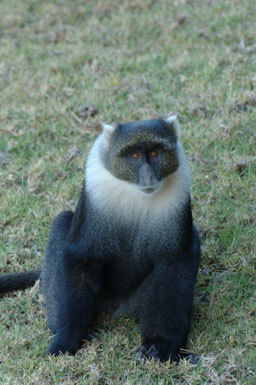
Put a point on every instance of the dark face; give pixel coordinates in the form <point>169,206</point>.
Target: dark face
<point>143,153</point>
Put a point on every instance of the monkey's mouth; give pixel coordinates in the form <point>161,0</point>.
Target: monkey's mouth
<point>148,190</point>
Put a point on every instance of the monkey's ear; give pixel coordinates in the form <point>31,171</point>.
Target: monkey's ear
<point>107,131</point>
<point>174,124</point>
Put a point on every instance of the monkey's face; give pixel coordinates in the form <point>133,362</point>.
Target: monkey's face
<point>143,153</point>
<point>146,166</point>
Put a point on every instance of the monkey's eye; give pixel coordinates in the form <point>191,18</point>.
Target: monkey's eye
<point>136,155</point>
<point>153,154</point>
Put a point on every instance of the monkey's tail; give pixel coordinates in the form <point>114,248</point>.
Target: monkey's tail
<point>18,281</point>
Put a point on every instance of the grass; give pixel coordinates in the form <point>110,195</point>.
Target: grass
<point>133,60</point>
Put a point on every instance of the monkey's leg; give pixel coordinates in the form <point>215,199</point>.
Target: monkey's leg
<point>165,300</point>
<point>166,309</point>
<point>80,286</point>
<point>66,289</point>
<point>69,287</point>
<point>51,267</point>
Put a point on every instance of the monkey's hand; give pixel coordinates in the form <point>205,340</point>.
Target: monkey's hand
<point>65,343</point>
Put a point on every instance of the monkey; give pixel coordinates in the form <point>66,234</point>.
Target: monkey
<point>129,248</point>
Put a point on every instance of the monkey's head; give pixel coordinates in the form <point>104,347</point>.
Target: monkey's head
<point>143,153</point>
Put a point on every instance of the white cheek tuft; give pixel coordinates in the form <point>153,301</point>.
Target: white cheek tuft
<point>107,132</point>
<point>171,118</point>
<point>174,122</point>
<point>107,128</point>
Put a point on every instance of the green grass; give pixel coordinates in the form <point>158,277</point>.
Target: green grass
<point>133,60</point>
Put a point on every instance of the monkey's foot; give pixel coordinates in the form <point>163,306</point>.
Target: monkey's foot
<point>161,352</point>
<point>190,356</point>
<point>147,352</point>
